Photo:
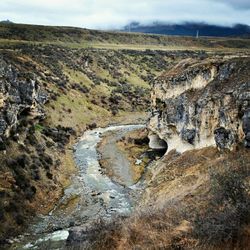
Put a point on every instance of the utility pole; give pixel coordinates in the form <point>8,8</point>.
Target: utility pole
<point>197,34</point>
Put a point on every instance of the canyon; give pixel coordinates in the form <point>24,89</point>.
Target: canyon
<point>74,152</point>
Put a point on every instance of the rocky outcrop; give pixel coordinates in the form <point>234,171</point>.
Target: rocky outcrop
<point>20,96</point>
<point>203,103</point>
<point>246,127</point>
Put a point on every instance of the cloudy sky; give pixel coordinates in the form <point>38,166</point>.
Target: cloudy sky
<point>104,14</point>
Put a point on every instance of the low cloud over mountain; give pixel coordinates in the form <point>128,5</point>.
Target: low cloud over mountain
<point>107,14</point>
<point>189,29</point>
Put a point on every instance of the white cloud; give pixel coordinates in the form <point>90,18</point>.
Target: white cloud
<point>116,13</point>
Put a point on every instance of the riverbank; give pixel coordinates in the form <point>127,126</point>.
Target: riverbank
<point>133,146</point>
<point>91,196</point>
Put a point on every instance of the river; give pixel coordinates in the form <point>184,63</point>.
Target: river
<point>91,196</point>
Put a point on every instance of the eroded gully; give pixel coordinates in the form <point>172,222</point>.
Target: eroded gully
<point>91,196</point>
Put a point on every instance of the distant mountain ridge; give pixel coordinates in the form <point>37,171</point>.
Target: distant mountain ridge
<point>189,29</point>
<point>6,21</point>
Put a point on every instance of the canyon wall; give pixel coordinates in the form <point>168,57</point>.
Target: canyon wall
<point>201,103</point>
<point>20,96</point>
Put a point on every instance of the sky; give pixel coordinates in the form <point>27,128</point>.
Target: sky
<point>112,14</point>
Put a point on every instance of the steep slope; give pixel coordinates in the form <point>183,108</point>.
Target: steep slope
<point>197,194</point>
<point>20,93</point>
<point>200,187</point>
<point>48,96</point>
<point>203,103</point>
<point>29,159</point>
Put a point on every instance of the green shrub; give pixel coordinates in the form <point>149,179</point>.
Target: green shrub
<point>39,127</point>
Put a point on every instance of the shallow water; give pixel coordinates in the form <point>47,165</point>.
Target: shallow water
<point>91,196</point>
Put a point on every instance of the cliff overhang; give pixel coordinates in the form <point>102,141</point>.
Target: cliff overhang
<point>202,103</point>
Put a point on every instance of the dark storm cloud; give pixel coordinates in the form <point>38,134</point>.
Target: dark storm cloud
<point>116,13</point>
<point>237,4</point>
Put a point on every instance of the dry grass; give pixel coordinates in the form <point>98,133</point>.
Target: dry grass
<point>134,151</point>
<point>173,222</point>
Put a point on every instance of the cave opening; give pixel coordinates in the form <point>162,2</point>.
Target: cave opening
<point>25,112</point>
<point>157,145</point>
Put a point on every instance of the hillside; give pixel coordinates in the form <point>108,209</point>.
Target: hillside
<point>82,38</point>
<point>197,194</point>
<point>58,82</point>
<point>49,95</point>
<point>47,100</point>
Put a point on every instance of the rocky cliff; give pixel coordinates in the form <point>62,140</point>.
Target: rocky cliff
<point>20,95</point>
<point>29,153</point>
<point>197,198</point>
<point>201,103</point>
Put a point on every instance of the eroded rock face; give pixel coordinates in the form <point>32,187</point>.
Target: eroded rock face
<point>246,127</point>
<point>203,103</point>
<point>20,95</point>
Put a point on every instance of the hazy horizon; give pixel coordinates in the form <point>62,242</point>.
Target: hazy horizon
<point>111,14</point>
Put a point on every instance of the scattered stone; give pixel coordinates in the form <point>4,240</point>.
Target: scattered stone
<point>138,162</point>
<point>92,126</point>
<point>96,193</point>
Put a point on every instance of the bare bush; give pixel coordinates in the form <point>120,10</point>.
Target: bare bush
<point>229,207</point>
